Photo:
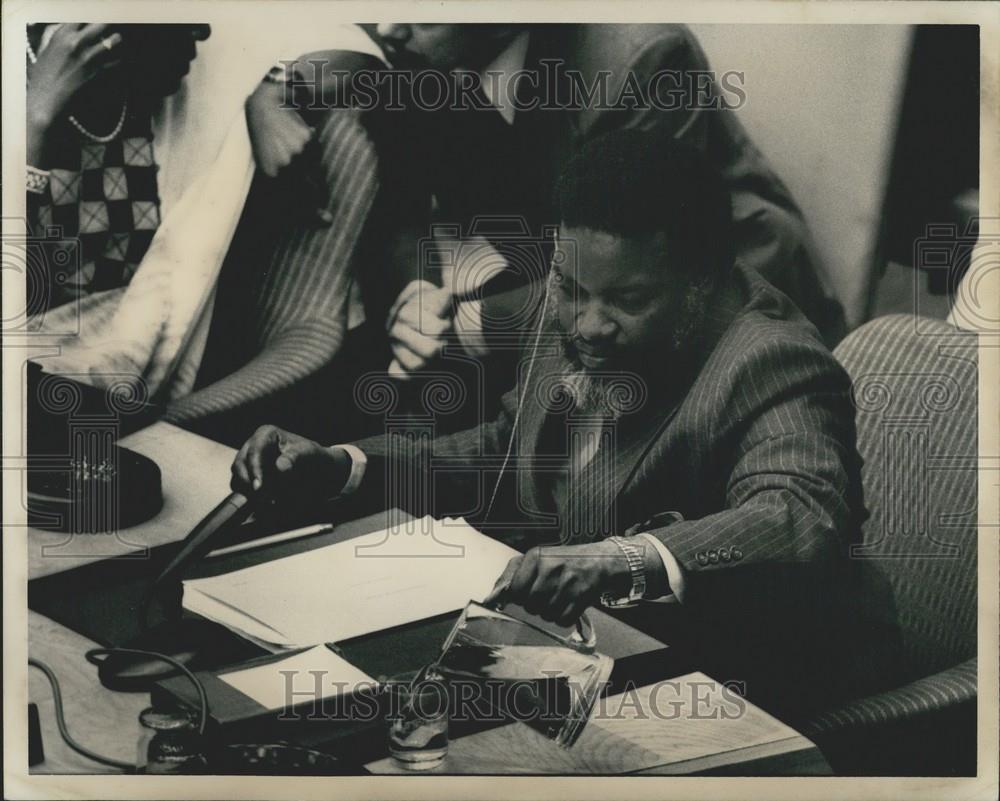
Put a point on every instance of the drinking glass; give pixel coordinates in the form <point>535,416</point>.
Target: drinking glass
<point>418,719</point>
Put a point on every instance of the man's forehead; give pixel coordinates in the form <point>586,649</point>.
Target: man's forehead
<point>587,254</point>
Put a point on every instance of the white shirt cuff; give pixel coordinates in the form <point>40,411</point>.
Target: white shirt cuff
<point>674,573</point>
<point>359,463</point>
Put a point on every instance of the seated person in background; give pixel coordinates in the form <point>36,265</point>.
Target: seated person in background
<point>289,334</point>
<point>189,159</point>
<point>93,90</point>
<point>289,301</point>
<point>672,399</point>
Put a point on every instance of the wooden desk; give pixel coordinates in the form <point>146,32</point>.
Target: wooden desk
<point>195,477</point>
<point>104,721</point>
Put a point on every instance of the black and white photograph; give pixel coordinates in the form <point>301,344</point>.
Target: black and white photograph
<point>469,399</point>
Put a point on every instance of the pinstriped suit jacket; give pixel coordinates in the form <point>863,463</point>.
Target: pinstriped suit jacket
<point>755,448</point>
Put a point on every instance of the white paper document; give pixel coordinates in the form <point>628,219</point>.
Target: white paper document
<point>316,673</point>
<point>387,578</point>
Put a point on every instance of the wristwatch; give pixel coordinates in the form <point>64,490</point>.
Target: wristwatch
<point>637,569</point>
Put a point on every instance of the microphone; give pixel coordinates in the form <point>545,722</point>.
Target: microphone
<point>233,511</point>
<point>183,640</point>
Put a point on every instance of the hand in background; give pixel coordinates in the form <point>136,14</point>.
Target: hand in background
<point>278,135</point>
<point>289,468</point>
<point>418,323</point>
<point>283,145</point>
<point>74,56</point>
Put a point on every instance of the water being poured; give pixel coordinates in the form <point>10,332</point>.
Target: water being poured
<point>530,674</point>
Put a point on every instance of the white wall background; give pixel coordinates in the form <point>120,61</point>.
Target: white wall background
<point>822,104</point>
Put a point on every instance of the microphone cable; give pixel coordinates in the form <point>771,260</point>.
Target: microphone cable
<point>92,656</point>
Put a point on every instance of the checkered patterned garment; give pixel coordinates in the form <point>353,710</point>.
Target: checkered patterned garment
<point>106,195</point>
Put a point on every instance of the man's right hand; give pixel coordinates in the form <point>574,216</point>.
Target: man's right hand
<point>288,468</point>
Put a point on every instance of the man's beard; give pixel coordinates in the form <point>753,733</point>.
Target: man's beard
<point>604,396</point>
<point>607,394</point>
<point>623,388</point>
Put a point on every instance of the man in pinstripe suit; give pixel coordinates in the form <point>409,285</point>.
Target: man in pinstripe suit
<point>671,400</point>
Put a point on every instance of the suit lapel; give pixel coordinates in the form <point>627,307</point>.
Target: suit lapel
<point>589,511</point>
<point>535,411</point>
<point>606,477</point>
<point>635,451</point>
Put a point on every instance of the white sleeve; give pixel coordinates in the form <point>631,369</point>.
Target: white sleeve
<point>359,463</point>
<point>674,573</point>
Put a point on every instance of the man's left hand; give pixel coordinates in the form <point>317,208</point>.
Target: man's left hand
<point>558,583</point>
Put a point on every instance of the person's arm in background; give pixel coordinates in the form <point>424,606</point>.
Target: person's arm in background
<point>772,236</point>
<point>278,113</point>
<point>295,93</point>
<point>303,302</point>
<point>76,54</point>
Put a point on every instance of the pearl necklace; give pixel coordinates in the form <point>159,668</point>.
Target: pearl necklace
<point>76,123</point>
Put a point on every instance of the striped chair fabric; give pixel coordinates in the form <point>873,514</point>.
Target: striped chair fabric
<point>915,391</point>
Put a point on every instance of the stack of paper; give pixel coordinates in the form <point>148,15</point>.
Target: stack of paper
<point>387,578</point>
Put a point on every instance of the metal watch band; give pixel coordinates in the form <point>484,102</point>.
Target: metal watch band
<point>637,569</point>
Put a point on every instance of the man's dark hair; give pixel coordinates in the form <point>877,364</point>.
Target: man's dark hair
<point>639,183</point>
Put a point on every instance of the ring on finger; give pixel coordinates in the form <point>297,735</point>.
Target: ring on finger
<point>107,43</point>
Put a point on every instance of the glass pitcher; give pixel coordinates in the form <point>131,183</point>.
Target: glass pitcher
<point>542,678</point>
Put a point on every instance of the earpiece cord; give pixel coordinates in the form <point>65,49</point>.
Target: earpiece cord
<point>520,401</point>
